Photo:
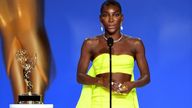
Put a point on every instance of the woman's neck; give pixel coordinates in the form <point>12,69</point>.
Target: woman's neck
<point>115,36</point>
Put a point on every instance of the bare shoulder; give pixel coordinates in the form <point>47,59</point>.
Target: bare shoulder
<point>91,42</point>
<point>135,41</point>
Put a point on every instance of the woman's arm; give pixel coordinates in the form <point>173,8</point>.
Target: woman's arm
<point>143,67</point>
<point>83,64</point>
<point>142,64</point>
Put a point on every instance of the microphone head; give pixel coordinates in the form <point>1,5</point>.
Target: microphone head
<point>110,41</point>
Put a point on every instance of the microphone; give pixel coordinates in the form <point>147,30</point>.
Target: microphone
<point>110,41</point>
<point>110,44</point>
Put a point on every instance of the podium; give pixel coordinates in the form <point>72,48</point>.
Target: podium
<point>31,106</point>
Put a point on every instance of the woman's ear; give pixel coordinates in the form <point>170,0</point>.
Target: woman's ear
<point>122,17</point>
<point>100,18</point>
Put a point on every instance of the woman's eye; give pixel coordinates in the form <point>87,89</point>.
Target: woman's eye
<point>117,14</point>
<point>104,15</point>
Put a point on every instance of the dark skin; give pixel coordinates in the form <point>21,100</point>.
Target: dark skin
<point>111,18</point>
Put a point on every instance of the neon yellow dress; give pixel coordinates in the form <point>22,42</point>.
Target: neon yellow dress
<point>98,97</point>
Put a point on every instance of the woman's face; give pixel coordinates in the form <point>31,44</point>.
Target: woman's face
<point>111,18</point>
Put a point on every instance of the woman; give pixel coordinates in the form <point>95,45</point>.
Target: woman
<point>125,50</point>
<point>22,27</point>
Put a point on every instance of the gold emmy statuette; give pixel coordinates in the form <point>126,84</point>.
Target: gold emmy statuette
<point>27,62</point>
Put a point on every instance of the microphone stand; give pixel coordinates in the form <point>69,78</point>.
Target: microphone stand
<point>110,44</point>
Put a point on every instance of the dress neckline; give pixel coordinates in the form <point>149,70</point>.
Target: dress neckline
<point>112,55</point>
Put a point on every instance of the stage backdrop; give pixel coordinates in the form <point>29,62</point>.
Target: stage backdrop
<point>165,26</point>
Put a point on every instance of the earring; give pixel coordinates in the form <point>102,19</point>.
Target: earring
<point>101,28</point>
<point>121,28</point>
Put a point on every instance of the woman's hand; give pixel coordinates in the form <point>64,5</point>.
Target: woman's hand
<point>117,87</point>
<point>126,87</point>
<point>103,82</point>
<point>120,88</point>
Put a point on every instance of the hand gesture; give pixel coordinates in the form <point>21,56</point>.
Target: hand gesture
<point>126,87</point>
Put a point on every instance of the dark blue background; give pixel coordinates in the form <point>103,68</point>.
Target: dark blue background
<point>165,26</point>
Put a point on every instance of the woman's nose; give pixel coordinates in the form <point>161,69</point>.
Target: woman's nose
<point>111,19</point>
